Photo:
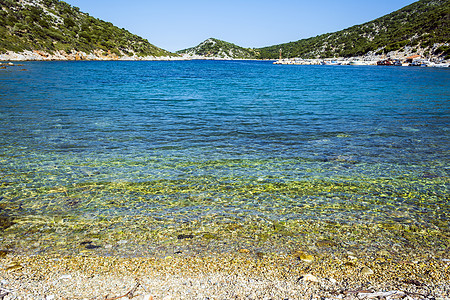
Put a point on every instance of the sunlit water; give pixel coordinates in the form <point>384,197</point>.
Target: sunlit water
<point>101,149</point>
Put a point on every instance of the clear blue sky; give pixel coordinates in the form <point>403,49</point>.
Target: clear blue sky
<point>179,24</point>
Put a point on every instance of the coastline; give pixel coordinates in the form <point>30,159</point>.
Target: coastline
<point>61,55</point>
<point>369,60</point>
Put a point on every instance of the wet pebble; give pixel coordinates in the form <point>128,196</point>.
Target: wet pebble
<point>383,252</point>
<point>185,236</point>
<point>3,253</point>
<point>325,243</point>
<point>304,257</point>
<point>91,246</point>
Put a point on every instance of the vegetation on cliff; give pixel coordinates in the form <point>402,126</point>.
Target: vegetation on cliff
<point>221,49</point>
<point>51,25</point>
<point>422,25</point>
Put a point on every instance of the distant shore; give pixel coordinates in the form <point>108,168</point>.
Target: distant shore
<point>395,59</point>
<point>61,55</point>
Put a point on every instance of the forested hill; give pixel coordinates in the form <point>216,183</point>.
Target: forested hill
<point>53,25</point>
<point>423,26</point>
<point>219,49</point>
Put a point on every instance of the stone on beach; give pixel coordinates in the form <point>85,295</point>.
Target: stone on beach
<point>367,271</point>
<point>310,278</point>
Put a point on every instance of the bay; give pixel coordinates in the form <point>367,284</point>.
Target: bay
<point>104,149</point>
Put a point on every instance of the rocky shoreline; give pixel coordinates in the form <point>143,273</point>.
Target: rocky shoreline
<point>62,55</point>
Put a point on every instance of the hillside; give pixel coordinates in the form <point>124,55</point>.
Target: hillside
<point>219,49</point>
<point>423,26</point>
<point>53,26</point>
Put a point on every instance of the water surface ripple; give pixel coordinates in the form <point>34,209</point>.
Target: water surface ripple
<point>208,142</point>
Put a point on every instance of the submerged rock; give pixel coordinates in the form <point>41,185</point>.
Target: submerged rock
<point>303,256</point>
<point>325,243</point>
<point>185,236</point>
<point>5,222</point>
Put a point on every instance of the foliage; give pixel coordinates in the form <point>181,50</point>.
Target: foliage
<point>423,23</point>
<point>217,48</point>
<point>51,25</point>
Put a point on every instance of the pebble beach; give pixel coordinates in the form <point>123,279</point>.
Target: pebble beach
<point>242,275</point>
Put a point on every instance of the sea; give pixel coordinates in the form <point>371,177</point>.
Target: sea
<point>147,158</point>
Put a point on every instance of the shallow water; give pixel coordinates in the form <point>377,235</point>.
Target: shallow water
<point>145,151</point>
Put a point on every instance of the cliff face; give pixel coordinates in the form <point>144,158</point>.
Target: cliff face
<point>53,28</point>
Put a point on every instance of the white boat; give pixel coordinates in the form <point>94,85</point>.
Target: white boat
<point>358,63</point>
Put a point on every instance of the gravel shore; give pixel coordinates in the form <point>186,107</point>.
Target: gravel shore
<point>240,275</point>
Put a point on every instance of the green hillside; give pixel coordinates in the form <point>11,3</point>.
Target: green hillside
<point>423,25</point>
<point>219,49</point>
<point>50,25</point>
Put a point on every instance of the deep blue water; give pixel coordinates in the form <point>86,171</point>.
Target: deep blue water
<point>218,126</point>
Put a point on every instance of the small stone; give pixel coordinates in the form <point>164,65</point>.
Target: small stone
<point>50,297</point>
<point>244,251</point>
<point>383,252</point>
<point>367,271</point>
<point>13,267</point>
<point>68,276</point>
<point>185,236</point>
<point>332,280</point>
<point>309,277</point>
<point>122,242</point>
<point>325,243</point>
<point>90,246</point>
<point>109,246</point>
<point>352,257</point>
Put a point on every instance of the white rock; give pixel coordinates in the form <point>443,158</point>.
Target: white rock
<point>50,297</point>
<point>367,271</point>
<point>68,276</point>
<point>310,277</point>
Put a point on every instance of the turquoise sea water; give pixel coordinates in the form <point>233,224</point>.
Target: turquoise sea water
<point>101,149</point>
